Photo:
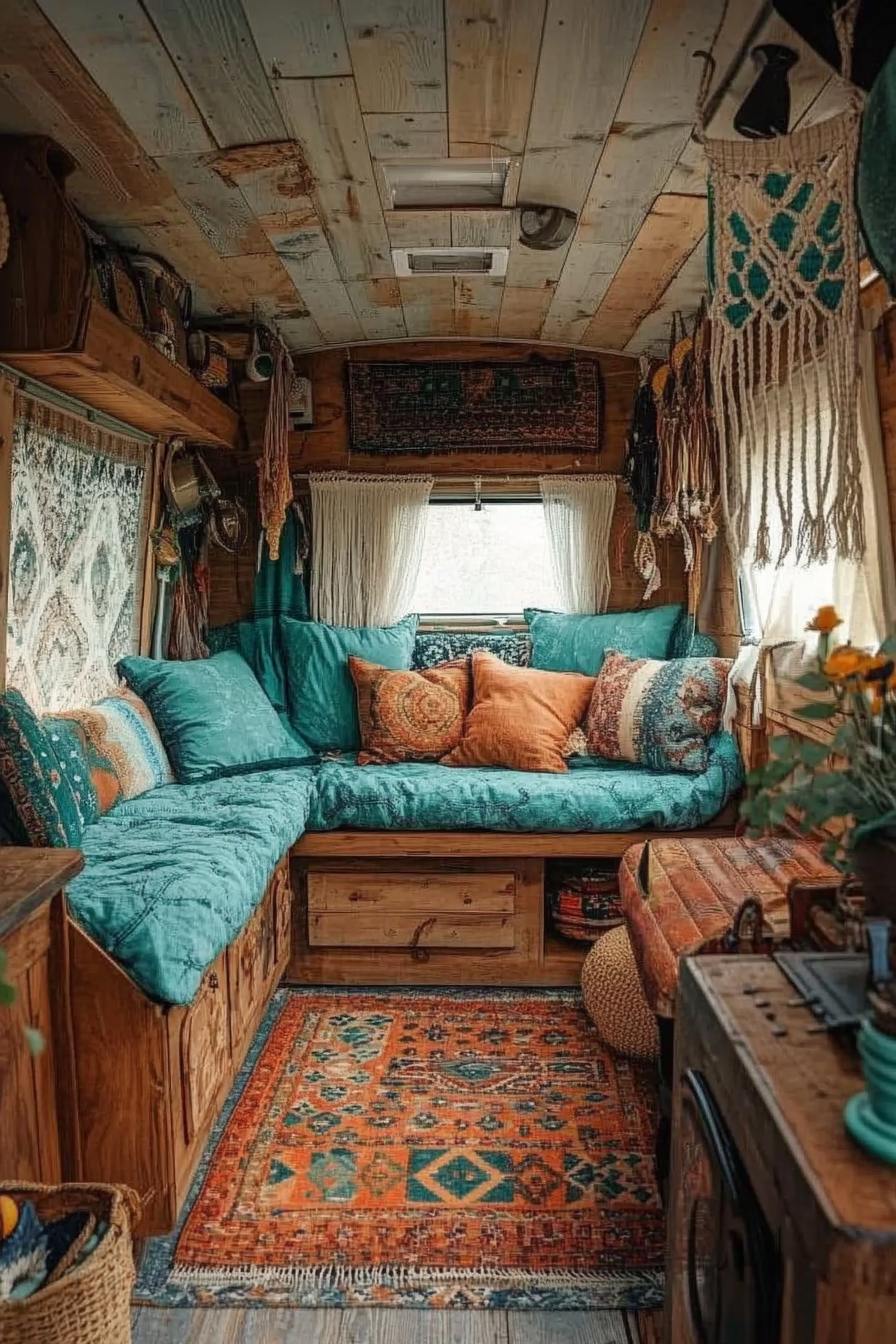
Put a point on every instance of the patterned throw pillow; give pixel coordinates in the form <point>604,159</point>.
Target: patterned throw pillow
<point>410,716</point>
<point>658,714</point>
<point>37,784</point>
<point>124,752</point>
<point>521,718</point>
<point>432,647</point>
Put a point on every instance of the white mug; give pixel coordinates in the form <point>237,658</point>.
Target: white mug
<point>260,363</point>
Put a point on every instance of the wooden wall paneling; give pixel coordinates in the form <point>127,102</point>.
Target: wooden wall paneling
<point>218,207</point>
<point>682,295</point>
<point>325,117</point>
<point>418,228</point>
<point>586,53</point>
<point>633,167</point>
<point>482,228</point>
<point>523,310</point>
<point>397,54</point>
<point>428,305</point>
<point>493,48</point>
<point>122,51</point>
<point>377,304</point>
<point>212,44</point>
<point>398,135</point>
<point>302,40</point>
<point>7,421</point>
<point>668,236</point>
<point>477,305</point>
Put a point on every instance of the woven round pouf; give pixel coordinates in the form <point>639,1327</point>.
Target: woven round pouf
<point>614,999</point>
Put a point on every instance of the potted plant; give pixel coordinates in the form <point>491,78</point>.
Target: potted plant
<point>850,780</point>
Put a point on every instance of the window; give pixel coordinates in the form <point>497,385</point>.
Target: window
<point>488,562</point>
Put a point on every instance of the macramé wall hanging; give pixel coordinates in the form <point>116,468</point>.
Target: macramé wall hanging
<point>784,275</point>
<point>540,405</point>
<point>672,463</point>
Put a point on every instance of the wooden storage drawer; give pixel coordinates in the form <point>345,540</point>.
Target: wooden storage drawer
<point>204,1048</point>
<point>411,909</point>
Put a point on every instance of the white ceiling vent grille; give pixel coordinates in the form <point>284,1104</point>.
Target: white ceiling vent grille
<point>450,260</point>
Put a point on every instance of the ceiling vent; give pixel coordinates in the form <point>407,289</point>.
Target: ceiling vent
<point>544,227</point>
<point>443,184</point>
<point>450,260</point>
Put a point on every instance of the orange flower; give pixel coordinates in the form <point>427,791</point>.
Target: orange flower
<point>845,662</point>
<point>825,621</point>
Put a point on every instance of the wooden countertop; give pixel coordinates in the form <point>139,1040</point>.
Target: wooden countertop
<point>788,1084</point>
<point>28,877</point>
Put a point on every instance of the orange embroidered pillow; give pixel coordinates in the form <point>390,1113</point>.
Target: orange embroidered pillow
<point>521,718</point>
<point>410,716</point>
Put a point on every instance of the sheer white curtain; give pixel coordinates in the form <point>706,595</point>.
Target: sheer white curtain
<point>578,513</point>
<point>779,600</point>
<point>368,534</point>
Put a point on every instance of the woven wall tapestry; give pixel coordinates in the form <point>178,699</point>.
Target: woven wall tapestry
<point>784,272</point>
<point>80,512</point>
<point>543,406</point>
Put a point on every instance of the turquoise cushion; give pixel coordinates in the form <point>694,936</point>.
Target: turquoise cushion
<point>212,716</point>
<point>322,705</point>
<point>621,797</point>
<point>563,643</point>
<point>36,779</point>
<point>171,877</point>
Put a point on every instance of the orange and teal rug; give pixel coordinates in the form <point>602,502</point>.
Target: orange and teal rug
<point>423,1148</point>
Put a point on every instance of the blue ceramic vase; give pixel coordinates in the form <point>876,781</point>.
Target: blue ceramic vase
<point>870,1116</point>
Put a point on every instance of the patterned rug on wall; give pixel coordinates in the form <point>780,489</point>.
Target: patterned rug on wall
<point>80,510</point>
<point>420,1148</point>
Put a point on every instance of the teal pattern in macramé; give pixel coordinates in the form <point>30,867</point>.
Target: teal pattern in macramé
<point>172,876</point>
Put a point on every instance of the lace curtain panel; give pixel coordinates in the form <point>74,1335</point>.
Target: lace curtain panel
<point>80,514</point>
<point>367,543</point>
<point>578,514</point>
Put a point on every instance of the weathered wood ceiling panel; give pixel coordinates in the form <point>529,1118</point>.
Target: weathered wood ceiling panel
<point>244,140</point>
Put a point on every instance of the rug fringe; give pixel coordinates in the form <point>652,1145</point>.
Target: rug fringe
<point>298,1278</point>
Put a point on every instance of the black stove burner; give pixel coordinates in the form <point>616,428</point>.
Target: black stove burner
<point>833,985</point>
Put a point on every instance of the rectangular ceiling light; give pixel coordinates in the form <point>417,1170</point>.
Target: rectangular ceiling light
<point>445,184</point>
<point>450,260</point>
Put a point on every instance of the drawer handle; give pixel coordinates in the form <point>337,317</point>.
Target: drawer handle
<point>417,952</point>
<point>213,982</point>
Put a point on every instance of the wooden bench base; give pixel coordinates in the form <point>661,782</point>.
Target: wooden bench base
<point>436,907</point>
<point>150,1080</point>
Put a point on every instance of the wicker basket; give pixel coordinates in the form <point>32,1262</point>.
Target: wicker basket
<point>89,1304</point>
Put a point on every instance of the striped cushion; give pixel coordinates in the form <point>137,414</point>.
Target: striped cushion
<point>657,714</point>
<point>125,755</point>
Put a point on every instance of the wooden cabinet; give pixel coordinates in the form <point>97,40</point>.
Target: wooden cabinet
<point>829,1209</point>
<point>31,922</point>
<point>204,1049</point>
<point>151,1080</point>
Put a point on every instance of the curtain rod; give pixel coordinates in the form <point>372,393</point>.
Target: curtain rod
<point>470,478</point>
<point>60,401</point>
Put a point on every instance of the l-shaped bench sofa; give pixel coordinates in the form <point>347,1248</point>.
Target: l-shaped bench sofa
<point>196,900</point>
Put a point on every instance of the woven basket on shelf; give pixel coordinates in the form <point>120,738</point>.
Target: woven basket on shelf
<point>91,1303</point>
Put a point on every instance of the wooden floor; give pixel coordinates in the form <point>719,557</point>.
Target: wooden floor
<point>389,1326</point>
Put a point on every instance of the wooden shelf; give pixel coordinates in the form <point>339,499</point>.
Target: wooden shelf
<point>118,372</point>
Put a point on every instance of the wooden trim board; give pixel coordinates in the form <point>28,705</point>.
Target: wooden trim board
<point>490,844</point>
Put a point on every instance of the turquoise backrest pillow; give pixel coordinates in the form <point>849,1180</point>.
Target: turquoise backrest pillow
<point>213,716</point>
<point>564,643</point>
<point>322,704</point>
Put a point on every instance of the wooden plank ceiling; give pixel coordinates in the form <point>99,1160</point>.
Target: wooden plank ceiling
<point>242,140</point>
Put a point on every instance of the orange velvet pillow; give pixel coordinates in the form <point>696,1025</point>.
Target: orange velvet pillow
<point>410,716</point>
<point>521,717</point>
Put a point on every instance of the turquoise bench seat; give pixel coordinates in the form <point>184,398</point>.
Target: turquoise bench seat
<point>592,797</point>
<point>172,876</point>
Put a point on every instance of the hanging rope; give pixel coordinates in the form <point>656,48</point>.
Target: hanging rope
<point>274,480</point>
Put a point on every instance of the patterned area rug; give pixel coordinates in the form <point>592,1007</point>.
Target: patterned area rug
<point>423,1149</point>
